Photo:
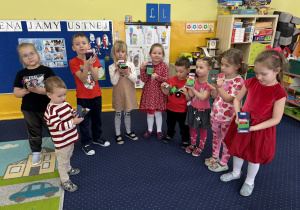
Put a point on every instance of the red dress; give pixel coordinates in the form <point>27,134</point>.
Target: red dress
<point>152,96</point>
<point>256,146</point>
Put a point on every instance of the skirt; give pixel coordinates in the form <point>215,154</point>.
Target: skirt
<point>198,119</point>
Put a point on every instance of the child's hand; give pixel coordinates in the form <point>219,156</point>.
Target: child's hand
<point>77,120</point>
<point>213,86</point>
<point>236,119</point>
<point>33,89</point>
<point>220,82</point>
<point>164,84</point>
<point>123,71</point>
<point>144,64</point>
<point>89,63</point>
<point>252,128</point>
<point>154,76</point>
<point>25,91</point>
<point>192,88</point>
<point>184,90</point>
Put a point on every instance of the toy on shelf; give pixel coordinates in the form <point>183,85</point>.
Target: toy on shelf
<point>187,55</point>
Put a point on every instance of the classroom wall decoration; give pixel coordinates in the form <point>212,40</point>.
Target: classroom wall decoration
<point>53,40</point>
<point>139,39</point>
<point>200,27</point>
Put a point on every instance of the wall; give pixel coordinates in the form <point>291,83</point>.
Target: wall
<point>181,12</point>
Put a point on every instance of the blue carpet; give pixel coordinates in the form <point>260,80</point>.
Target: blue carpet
<point>148,174</point>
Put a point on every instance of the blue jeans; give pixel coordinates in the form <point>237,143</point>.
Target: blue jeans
<point>93,117</point>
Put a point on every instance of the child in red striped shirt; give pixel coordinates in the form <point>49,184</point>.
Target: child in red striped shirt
<point>61,120</point>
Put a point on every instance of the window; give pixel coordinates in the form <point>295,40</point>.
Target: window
<point>36,187</point>
<point>15,169</point>
<point>24,189</point>
<point>46,165</point>
<point>47,157</point>
<point>47,185</point>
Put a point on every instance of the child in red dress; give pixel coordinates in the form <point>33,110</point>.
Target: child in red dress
<point>265,104</point>
<point>222,112</point>
<point>153,101</point>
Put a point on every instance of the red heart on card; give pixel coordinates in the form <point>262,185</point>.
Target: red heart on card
<point>243,121</point>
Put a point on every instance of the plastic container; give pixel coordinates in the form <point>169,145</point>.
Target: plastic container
<point>288,110</point>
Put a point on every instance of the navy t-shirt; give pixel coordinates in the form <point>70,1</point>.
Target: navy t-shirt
<point>32,101</point>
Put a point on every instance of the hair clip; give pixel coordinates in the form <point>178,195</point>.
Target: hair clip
<point>242,62</point>
<point>275,56</point>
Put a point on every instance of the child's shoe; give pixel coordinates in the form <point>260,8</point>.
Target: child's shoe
<point>218,167</point>
<point>88,150</point>
<point>211,161</point>
<point>73,171</point>
<point>197,152</point>
<point>167,139</point>
<point>147,134</point>
<point>102,142</point>
<point>119,139</point>
<point>228,177</point>
<point>69,186</point>
<point>36,158</point>
<point>190,148</point>
<point>159,136</point>
<point>132,136</point>
<point>246,189</point>
<point>184,144</point>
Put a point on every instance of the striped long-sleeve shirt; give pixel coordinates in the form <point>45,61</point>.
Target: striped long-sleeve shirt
<point>59,118</point>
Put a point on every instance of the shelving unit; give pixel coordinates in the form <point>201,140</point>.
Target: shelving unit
<point>224,32</point>
<point>294,89</point>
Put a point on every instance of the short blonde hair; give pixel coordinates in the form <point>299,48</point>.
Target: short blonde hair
<point>118,46</point>
<point>23,45</point>
<point>54,82</point>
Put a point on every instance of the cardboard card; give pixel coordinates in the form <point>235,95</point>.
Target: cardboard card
<point>89,53</point>
<point>213,76</point>
<point>122,64</point>
<point>191,79</point>
<point>82,111</point>
<point>244,122</point>
<point>149,68</point>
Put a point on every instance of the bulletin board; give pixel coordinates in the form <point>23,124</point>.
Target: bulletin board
<point>53,40</point>
<point>140,37</point>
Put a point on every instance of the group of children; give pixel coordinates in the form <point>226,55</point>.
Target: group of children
<point>187,105</point>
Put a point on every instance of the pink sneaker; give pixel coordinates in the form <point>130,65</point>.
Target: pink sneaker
<point>147,134</point>
<point>159,136</point>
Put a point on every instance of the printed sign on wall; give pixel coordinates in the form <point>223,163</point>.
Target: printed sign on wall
<point>200,27</point>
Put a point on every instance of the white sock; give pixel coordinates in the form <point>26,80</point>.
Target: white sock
<point>158,120</point>
<point>127,121</point>
<point>237,166</point>
<point>251,174</point>
<point>150,121</point>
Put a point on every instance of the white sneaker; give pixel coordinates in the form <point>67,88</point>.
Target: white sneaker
<point>36,158</point>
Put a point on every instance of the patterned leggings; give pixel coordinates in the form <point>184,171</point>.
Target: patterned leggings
<point>203,135</point>
<point>219,130</point>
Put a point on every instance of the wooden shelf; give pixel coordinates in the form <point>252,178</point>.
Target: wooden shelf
<point>292,116</point>
<point>295,88</point>
<point>225,27</point>
<point>293,75</point>
<point>293,103</point>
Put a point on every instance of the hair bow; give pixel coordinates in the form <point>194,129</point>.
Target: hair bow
<point>278,49</point>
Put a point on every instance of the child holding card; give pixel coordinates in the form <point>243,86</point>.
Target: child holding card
<point>123,77</point>
<point>29,85</point>
<point>62,119</point>
<point>88,93</point>
<point>265,104</point>
<point>153,100</point>
<point>224,91</point>
<point>198,114</point>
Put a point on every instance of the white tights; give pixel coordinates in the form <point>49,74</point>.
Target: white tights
<point>158,120</point>
<point>251,173</point>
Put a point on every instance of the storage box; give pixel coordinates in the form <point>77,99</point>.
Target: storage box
<point>294,67</point>
<point>263,32</point>
<point>223,11</point>
<point>262,38</point>
<point>244,12</point>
